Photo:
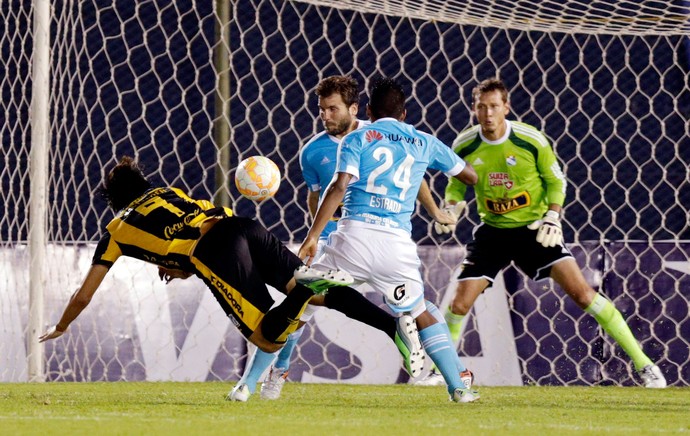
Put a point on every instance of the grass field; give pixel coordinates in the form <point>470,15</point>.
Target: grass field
<point>313,409</point>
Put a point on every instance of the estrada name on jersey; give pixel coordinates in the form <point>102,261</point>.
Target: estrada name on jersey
<point>387,160</point>
<point>519,175</point>
<point>317,160</point>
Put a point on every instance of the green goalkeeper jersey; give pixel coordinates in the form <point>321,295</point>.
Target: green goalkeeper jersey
<point>519,175</point>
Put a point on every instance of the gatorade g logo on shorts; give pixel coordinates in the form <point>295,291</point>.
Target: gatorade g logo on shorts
<point>399,292</point>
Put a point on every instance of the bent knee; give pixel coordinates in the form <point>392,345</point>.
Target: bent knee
<point>466,294</point>
<point>461,304</point>
<point>257,338</point>
<point>269,347</point>
<point>460,307</point>
<point>583,296</point>
<point>580,292</point>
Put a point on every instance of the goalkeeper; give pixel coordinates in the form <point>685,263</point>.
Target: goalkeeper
<point>519,196</point>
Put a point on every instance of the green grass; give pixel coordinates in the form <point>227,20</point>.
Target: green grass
<point>328,409</point>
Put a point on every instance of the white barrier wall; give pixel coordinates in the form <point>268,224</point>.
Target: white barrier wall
<point>138,328</point>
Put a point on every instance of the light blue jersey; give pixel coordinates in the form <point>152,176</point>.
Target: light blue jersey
<point>317,160</point>
<point>388,159</point>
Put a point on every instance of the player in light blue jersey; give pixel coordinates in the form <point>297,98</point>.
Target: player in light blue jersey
<point>338,106</point>
<point>379,171</point>
<point>317,160</point>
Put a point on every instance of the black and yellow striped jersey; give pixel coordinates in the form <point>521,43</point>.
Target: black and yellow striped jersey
<point>162,227</point>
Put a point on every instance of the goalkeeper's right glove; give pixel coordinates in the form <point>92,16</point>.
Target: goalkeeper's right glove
<point>455,211</point>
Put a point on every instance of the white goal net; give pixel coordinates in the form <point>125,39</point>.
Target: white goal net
<point>190,89</point>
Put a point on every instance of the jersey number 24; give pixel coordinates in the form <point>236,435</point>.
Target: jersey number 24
<point>378,182</point>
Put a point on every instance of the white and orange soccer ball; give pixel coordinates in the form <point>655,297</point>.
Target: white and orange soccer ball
<point>257,178</point>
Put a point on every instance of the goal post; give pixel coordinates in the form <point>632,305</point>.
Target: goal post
<point>221,131</point>
<point>38,204</point>
<point>192,88</point>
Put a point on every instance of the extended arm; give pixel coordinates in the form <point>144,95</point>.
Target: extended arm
<point>335,192</point>
<point>454,197</point>
<point>427,200</point>
<point>313,202</point>
<point>468,175</point>
<point>457,185</point>
<point>445,218</point>
<point>78,302</point>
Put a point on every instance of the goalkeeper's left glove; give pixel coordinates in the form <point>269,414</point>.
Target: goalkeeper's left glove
<point>550,233</point>
<point>455,211</point>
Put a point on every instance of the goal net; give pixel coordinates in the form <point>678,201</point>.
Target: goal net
<point>190,89</point>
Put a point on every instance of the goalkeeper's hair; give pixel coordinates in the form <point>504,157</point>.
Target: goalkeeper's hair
<point>489,85</point>
<point>386,98</point>
<point>124,183</point>
<point>346,86</point>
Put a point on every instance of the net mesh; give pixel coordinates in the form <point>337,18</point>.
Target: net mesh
<point>589,17</point>
<point>606,81</point>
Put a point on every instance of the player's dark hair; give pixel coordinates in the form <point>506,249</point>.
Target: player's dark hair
<point>386,98</point>
<point>346,86</point>
<point>490,85</point>
<point>124,183</point>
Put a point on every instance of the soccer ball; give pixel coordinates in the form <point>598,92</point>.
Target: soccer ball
<point>257,178</point>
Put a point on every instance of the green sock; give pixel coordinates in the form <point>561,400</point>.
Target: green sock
<point>454,322</point>
<point>613,323</point>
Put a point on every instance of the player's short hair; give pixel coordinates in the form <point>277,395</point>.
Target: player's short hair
<point>386,98</point>
<point>489,85</point>
<point>346,86</point>
<point>124,183</point>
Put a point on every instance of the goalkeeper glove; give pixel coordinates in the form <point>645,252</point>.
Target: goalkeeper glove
<point>455,211</point>
<point>549,233</point>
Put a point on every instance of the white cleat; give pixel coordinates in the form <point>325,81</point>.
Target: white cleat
<point>434,378</point>
<point>464,395</point>
<point>239,393</point>
<point>273,385</point>
<point>652,377</point>
<point>319,281</point>
<point>409,345</point>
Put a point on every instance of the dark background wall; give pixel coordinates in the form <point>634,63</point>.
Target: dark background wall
<point>139,80</point>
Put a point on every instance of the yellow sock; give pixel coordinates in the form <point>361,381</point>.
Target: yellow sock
<point>454,322</point>
<point>613,323</point>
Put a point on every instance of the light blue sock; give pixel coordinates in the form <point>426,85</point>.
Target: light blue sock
<point>437,345</point>
<point>286,352</point>
<point>256,366</point>
<point>431,307</point>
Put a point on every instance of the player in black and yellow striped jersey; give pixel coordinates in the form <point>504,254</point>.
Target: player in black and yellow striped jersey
<point>236,257</point>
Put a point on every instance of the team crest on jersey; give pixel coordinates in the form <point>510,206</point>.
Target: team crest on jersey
<point>373,135</point>
<point>511,161</point>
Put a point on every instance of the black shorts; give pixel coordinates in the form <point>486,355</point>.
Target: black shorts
<point>236,259</point>
<point>492,249</point>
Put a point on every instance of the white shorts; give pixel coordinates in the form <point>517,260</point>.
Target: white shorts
<point>385,259</point>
